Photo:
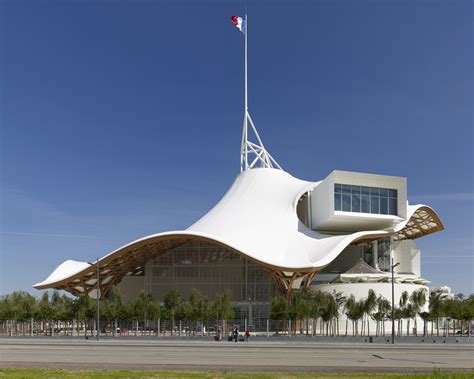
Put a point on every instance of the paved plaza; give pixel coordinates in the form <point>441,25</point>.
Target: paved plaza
<point>253,356</point>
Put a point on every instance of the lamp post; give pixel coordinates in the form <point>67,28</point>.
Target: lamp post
<point>250,314</point>
<point>393,300</point>
<point>97,296</point>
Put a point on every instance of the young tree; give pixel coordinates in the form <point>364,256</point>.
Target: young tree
<point>198,307</point>
<point>85,310</point>
<point>329,312</point>
<point>370,304</point>
<point>6,312</point>
<point>44,311</point>
<point>354,312</point>
<point>425,316</point>
<point>279,310</point>
<point>22,308</point>
<point>384,309</point>
<point>302,305</point>
<point>418,300</point>
<point>435,306</point>
<point>402,310</point>
<point>340,301</point>
<point>222,307</point>
<point>173,302</point>
<point>114,307</point>
<point>318,305</point>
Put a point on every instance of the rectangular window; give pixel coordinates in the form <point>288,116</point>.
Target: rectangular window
<point>355,203</point>
<point>392,206</point>
<point>349,198</point>
<point>346,188</point>
<point>375,191</point>
<point>365,204</point>
<point>346,202</point>
<point>374,204</point>
<point>384,205</point>
<point>337,202</point>
<point>356,189</point>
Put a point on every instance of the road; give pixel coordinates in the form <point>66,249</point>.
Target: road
<point>252,356</point>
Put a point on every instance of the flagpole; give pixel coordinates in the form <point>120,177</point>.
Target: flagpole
<point>244,148</point>
<point>246,97</point>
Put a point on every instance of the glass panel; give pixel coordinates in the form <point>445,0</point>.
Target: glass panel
<point>356,189</point>
<point>213,270</point>
<point>355,203</point>
<point>346,202</point>
<point>374,204</point>
<point>368,252</point>
<point>384,205</point>
<point>337,187</point>
<point>365,204</point>
<point>392,207</point>
<point>337,201</point>
<point>346,188</point>
<point>375,191</point>
<point>384,192</point>
<point>365,190</point>
<point>384,254</point>
<point>392,193</point>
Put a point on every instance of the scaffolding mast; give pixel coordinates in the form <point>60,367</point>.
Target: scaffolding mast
<point>252,153</point>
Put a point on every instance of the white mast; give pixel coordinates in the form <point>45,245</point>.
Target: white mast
<point>252,154</point>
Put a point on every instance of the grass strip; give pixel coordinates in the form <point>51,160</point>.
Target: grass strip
<point>93,374</point>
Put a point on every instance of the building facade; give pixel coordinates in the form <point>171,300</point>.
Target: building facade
<point>272,233</point>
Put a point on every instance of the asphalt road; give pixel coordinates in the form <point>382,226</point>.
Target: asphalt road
<point>252,356</point>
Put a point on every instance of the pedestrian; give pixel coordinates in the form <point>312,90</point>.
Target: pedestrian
<point>247,335</point>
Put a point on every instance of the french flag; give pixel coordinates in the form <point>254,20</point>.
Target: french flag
<point>239,22</point>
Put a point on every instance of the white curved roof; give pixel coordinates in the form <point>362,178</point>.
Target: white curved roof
<point>256,217</point>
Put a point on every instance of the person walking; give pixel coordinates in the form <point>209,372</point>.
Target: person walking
<point>236,334</point>
<point>247,335</point>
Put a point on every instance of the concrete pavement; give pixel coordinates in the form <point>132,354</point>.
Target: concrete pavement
<point>253,356</point>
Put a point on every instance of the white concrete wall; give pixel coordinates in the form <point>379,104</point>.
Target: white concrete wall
<point>344,261</point>
<point>322,202</point>
<point>325,218</point>
<point>408,255</point>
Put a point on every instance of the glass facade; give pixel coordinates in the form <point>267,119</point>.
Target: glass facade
<point>213,269</point>
<point>349,198</point>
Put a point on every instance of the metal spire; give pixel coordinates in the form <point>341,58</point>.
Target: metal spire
<point>252,154</point>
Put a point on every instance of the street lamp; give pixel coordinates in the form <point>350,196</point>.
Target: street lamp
<point>393,301</point>
<point>250,314</point>
<point>96,265</point>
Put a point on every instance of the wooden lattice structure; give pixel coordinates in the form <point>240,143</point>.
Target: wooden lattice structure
<point>131,260</point>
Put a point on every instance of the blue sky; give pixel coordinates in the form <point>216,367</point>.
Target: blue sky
<point>121,119</point>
